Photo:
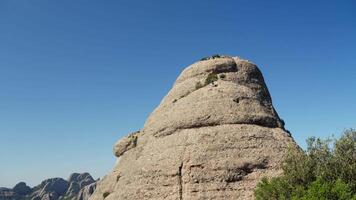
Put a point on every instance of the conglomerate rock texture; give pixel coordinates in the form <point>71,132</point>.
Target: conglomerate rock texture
<point>214,136</point>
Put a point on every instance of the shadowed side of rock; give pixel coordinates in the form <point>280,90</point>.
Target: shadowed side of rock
<point>86,192</point>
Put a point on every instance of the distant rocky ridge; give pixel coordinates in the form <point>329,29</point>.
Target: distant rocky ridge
<point>77,187</point>
<point>213,136</point>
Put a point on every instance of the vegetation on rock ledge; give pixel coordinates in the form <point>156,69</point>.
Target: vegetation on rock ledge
<point>214,56</point>
<point>212,77</point>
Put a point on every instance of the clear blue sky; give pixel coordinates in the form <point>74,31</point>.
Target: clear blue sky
<point>75,76</point>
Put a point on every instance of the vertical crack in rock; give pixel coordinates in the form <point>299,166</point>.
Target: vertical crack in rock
<point>180,181</point>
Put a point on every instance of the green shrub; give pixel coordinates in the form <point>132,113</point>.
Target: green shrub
<point>321,189</point>
<point>274,189</point>
<point>323,171</point>
<point>212,57</point>
<point>342,190</point>
<point>205,58</point>
<point>344,158</point>
<point>215,56</point>
<point>211,78</point>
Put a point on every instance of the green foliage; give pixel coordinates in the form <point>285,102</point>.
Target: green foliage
<point>323,171</point>
<point>345,156</point>
<point>323,190</point>
<point>212,57</point>
<point>211,78</point>
<point>274,189</point>
<point>343,190</point>
<point>216,56</point>
<point>205,58</point>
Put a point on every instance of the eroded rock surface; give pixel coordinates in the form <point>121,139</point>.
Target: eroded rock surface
<point>86,192</point>
<point>214,136</point>
<point>126,144</point>
<point>77,182</point>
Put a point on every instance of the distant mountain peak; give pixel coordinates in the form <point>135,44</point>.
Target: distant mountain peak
<point>77,186</point>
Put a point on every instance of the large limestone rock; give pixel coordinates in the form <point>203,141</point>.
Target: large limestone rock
<point>214,136</point>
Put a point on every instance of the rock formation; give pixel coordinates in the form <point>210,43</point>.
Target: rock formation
<point>22,189</point>
<point>8,194</point>
<point>214,136</point>
<point>86,192</point>
<point>77,182</point>
<point>78,186</point>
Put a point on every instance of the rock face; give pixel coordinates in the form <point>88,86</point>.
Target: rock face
<point>78,186</point>
<point>86,192</point>
<point>77,182</point>
<point>51,189</point>
<point>7,194</point>
<point>214,136</point>
<point>22,189</point>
